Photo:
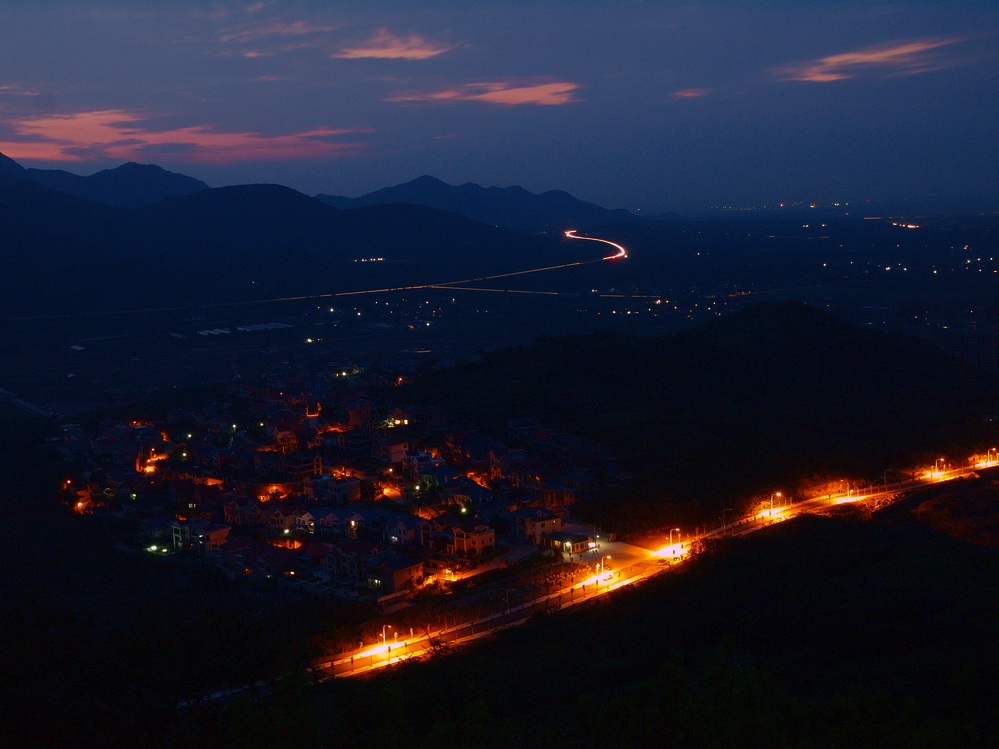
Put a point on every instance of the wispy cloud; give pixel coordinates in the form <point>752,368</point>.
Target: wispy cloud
<point>277,37</point>
<point>16,91</point>
<point>690,93</point>
<point>896,58</point>
<point>386,45</point>
<point>120,135</point>
<point>293,29</point>
<point>506,93</point>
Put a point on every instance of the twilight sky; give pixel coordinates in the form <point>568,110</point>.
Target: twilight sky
<point>650,105</point>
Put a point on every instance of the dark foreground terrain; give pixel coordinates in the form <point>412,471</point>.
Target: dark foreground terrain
<point>818,633</point>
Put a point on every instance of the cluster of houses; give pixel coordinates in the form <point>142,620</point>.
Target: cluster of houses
<point>271,486</point>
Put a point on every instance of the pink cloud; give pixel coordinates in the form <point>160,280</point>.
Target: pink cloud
<point>118,135</point>
<point>386,45</point>
<point>690,93</point>
<point>901,58</point>
<point>508,93</point>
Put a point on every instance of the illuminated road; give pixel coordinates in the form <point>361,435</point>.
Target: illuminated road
<point>399,649</point>
<point>879,497</point>
<point>635,565</point>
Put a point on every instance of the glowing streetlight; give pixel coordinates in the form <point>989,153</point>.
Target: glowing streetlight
<point>988,456</point>
<point>605,556</point>
<point>936,465</point>
<point>775,494</point>
<point>671,535</point>
<point>384,627</point>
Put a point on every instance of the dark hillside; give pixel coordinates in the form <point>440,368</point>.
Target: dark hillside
<point>65,253</point>
<point>752,402</point>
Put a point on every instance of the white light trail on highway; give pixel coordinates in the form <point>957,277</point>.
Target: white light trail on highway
<point>621,252</point>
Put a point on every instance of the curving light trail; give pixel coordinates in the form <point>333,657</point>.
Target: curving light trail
<point>570,233</point>
<point>621,252</point>
<point>457,285</point>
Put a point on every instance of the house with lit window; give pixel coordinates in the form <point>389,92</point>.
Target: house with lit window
<point>283,516</point>
<point>199,536</point>
<point>568,543</point>
<point>402,529</point>
<point>532,523</point>
<point>391,572</point>
<point>472,538</point>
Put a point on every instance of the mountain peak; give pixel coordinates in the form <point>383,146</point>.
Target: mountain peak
<point>128,184</point>
<point>9,166</point>
<point>426,179</point>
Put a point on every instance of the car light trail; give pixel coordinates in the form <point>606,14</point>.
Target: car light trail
<point>570,233</point>
<point>621,252</point>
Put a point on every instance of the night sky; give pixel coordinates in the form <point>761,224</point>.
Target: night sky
<point>645,105</point>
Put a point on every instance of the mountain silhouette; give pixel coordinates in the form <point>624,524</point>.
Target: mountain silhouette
<point>128,184</point>
<point>511,208</point>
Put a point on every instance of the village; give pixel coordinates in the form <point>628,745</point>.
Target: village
<point>312,488</point>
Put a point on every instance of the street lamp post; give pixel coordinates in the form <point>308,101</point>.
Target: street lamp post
<point>724,526</point>
<point>671,535</point>
<point>775,494</point>
<point>988,455</point>
<point>936,465</point>
<point>596,581</point>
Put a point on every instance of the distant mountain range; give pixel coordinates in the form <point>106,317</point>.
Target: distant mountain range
<point>128,184</point>
<point>512,208</point>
